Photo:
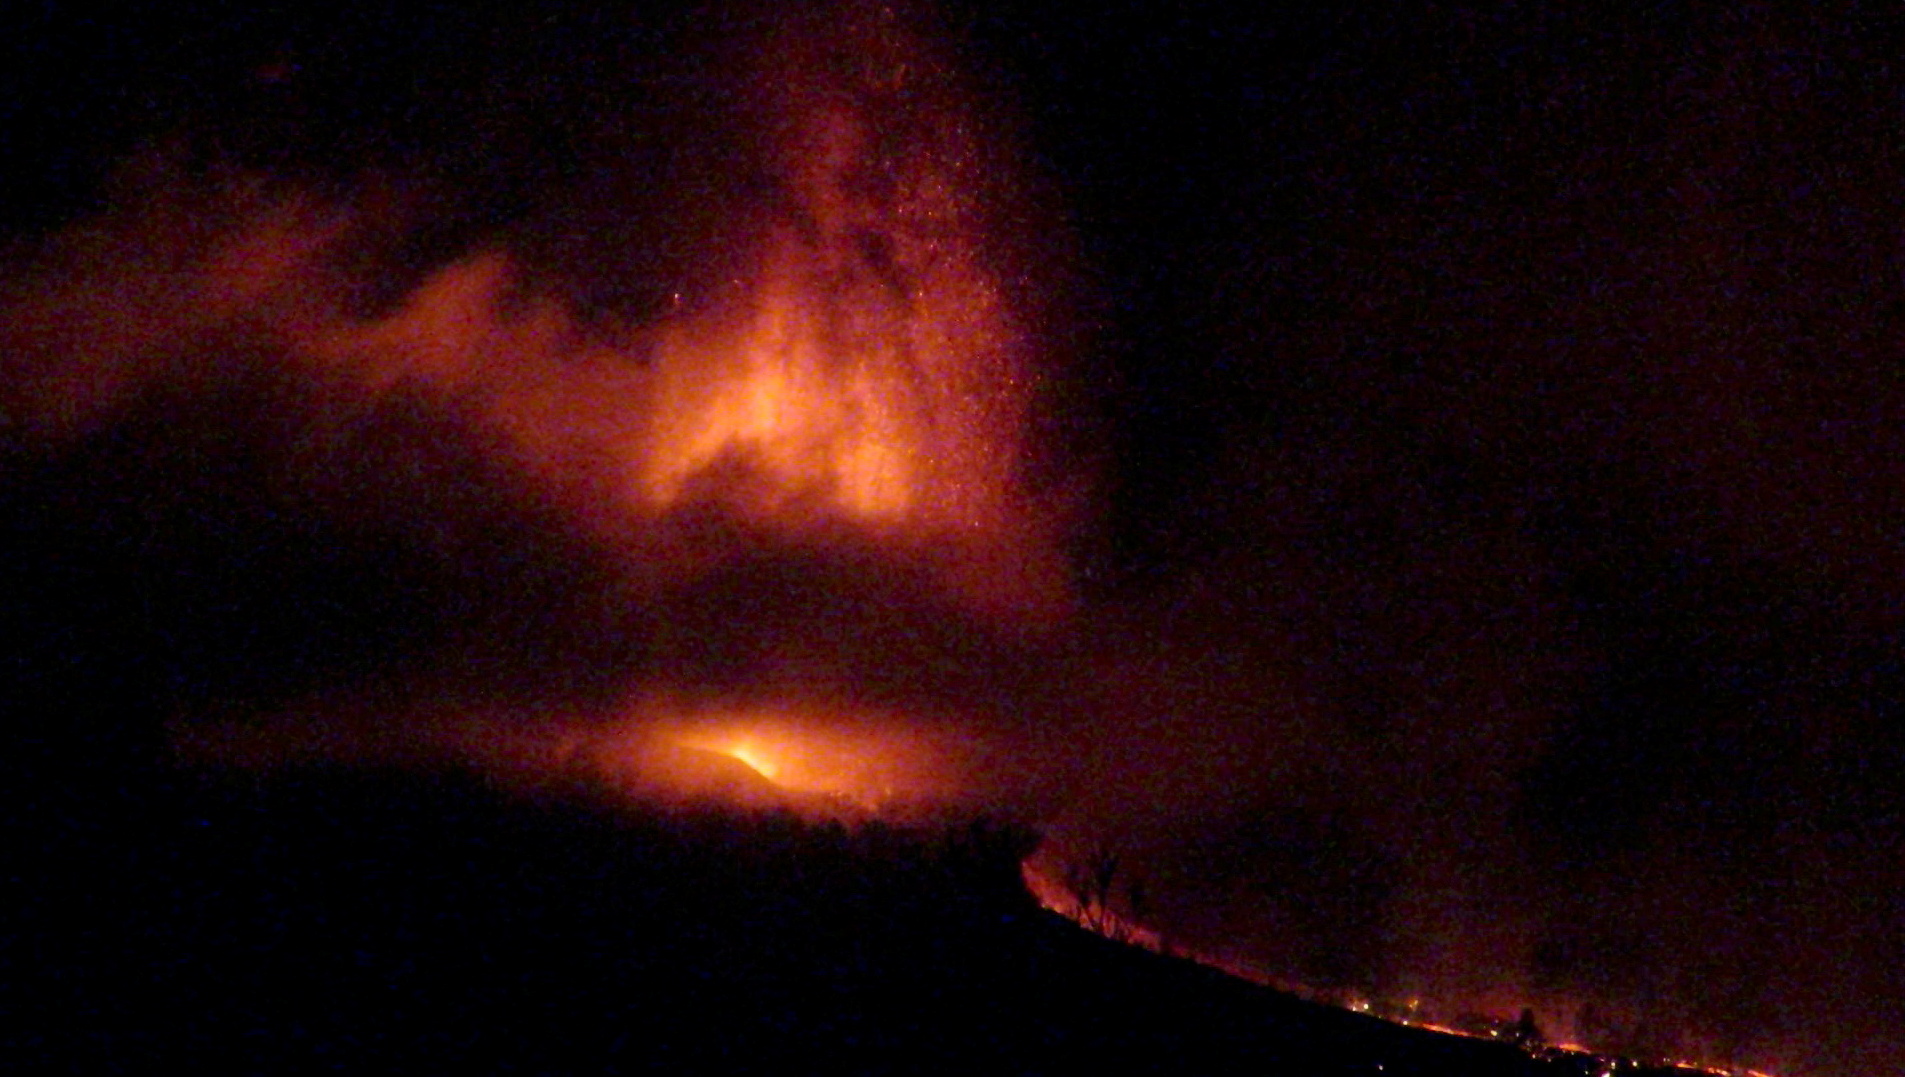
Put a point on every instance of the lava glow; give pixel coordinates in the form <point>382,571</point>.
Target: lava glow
<point>754,757</point>
<point>842,380</point>
<point>870,766</point>
<point>807,760</point>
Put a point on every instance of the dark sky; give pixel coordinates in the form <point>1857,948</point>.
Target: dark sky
<point>1514,391</point>
<point>1493,581</point>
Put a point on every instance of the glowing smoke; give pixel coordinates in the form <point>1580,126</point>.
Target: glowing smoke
<point>822,420</point>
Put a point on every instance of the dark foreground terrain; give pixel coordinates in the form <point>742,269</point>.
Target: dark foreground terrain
<point>381,921</point>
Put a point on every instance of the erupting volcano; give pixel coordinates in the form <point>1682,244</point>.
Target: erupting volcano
<point>1399,508</point>
<point>819,766</point>
<point>818,407</point>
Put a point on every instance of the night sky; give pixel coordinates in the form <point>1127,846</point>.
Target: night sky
<point>1487,424</point>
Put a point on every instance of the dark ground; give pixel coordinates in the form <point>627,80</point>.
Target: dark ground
<point>374,921</point>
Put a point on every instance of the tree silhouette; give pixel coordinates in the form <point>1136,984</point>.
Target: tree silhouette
<point>1526,1034</point>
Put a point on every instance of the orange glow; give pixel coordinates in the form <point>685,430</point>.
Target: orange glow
<point>868,370</point>
<point>853,358</point>
<point>1041,873</point>
<point>747,753</point>
<point>870,768</point>
<point>805,758</point>
<point>857,370</point>
<point>790,424</point>
<point>851,372</point>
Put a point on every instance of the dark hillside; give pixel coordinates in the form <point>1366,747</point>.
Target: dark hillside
<point>384,921</point>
